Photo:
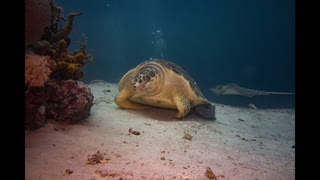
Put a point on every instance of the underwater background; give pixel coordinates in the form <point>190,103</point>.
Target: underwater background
<point>249,42</point>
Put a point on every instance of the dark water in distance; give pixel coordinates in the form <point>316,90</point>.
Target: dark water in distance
<point>249,42</point>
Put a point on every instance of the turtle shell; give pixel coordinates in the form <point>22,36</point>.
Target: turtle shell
<point>178,70</point>
<point>206,110</point>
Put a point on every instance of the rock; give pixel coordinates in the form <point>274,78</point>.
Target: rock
<point>63,100</point>
<point>35,111</point>
<point>37,18</point>
<point>68,100</point>
<point>41,48</point>
<point>97,81</point>
<point>252,106</point>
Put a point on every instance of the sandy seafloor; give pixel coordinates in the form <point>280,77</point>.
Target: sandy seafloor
<point>242,144</point>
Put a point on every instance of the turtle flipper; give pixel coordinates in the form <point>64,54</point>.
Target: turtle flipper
<point>183,105</point>
<point>122,100</point>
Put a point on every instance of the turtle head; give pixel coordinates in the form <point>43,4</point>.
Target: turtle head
<point>148,81</point>
<point>206,110</point>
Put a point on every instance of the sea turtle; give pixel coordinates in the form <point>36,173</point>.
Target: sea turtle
<point>161,83</point>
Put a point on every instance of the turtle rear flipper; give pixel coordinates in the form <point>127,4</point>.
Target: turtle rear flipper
<point>206,110</point>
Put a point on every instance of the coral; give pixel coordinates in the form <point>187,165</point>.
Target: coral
<point>37,73</point>
<point>65,30</point>
<point>51,89</point>
<point>53,33</point>
<point>36,70</point>
<point>55,42</point>
<point>37,18</point>
<point>68,100</point>
<point>68,66</point>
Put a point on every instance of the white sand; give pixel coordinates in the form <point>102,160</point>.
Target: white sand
<point>241,144</point>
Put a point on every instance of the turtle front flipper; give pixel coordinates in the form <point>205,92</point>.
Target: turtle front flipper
<point>122,100</point>
<point>182,103</point>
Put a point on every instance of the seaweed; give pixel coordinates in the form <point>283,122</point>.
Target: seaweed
<point>209,174</point>
<point>68,65</point>
<point>187,136</point>
<point>55,42</point>
<point>97,158</point>
<point>53,33</point>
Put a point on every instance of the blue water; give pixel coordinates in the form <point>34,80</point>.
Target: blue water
<point>248,42</point>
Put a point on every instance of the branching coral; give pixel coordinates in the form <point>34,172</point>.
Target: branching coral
<point>36,70</point>
<point>68,66</point>
<point>53,33</point>
<point>65,30</point>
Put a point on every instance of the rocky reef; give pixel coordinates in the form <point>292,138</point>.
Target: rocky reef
<point>53,89</point>
<point>37,18</point>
